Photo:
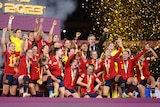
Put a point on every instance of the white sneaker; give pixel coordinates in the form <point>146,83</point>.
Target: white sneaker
<point>26,95</point>
<point>124,95</point>
<point>53,95</point>
<point>153,95</point>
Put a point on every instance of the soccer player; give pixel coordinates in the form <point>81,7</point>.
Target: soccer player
<point>66,46</point>
<point>87,81</point>
<point>126,69</point>
<point>39,36</point>
<point>143,75</point>
<point>110,74</point>
<point>40,73</point>
<point>10,82</point>
<point>70,79</point>
<point>35,71</point>
<point>95,61</point>
<point>97,65</point>
<point>45,51</point>
<point>16,38</point>
<point>24,71</point>
<point>30,39</point>
<point>83,50</point>
<point>52,38</point>
<point>56,69</point>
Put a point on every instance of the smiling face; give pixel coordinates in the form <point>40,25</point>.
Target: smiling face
<point>72,51</point>
<point>45,49</point>
<point>59,53</point>
<point>74,64</point>
<point>125,55</point>
<point>18,33</point>
<point>84,47</point>
<point>90,69</point>
<point>94,55</point>
<point>35,50</point>
<point>11,47</point>
<point>107,54</point>
<point>67,44</point>
<point>55,38</point>
<point>31,36</point>
<point>29,53</point>
<point>56,45</point>
<point>110,47</point>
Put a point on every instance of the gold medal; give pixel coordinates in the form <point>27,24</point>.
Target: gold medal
<point>142,77</point>
<point>40,81</point>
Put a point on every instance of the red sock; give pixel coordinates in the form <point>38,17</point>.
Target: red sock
<point>70,95</point>
<point>12,95</point>
<point>4,95</point>
<point>34,96</point>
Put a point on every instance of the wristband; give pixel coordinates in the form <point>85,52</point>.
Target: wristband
<point>10,22</point>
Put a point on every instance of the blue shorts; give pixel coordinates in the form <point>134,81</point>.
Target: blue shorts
<point>70,90</point>
<point>109,82</point>
<point>61,84</point>
<point>143,82</point>
<point>92,95</point>
<point>10,80</point>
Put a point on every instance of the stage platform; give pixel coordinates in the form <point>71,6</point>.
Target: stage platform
<point>80,102</point>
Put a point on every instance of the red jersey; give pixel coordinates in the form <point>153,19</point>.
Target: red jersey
<point>81,66</point>
<point>8,62</point>
<point>55,67</point>
<point>109,66</point>
<point>29,44</point>
<point>143,67</point>
<point>24,66</point>
<point>70,78</point>
<point>96,63</point>
<point>126,69</point>
<point>49,43</point>
<point>40,44</point>
<point>35,70</point>
<point>88,79</point>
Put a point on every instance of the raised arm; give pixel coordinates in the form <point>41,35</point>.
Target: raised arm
<point>68,61</point>
<point>11,17</point>
<point>105,34</point>
<point>40,30</point>
<point>141,53</point>
<point>25,43</point>
<point>51,31</point>
<point>119,42</point>
<point>36,25</point>
<point>78,34</point>
<point>153,53</point>
<point>3,39</point>
<point>75,41</point>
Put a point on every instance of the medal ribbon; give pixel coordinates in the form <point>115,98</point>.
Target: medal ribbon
<point>126,67</point>
<point>28,67</point>
<point>73,75</point>
<point>107,65</point>
<point>140,65</point>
